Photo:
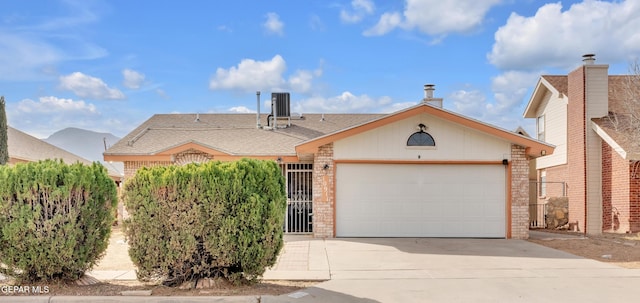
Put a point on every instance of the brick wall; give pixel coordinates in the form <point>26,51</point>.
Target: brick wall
<point>130,167</point>
<point>615,191</point>
<point>192,156</point>
<point>555,174</point>
<point>634,196</point>
<point>323,195</point>
<point>519,193</point>
<point>576,145</point>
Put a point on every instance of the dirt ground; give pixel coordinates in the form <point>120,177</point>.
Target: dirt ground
<point>620,249</point>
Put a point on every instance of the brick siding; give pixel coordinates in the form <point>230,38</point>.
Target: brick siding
<point>615,191</point>
<point>519,193</point>
<point>323,192</point>
<point>634,196</point>
<point>555,174</point>
<point>576,146</point>
<point>192,156</point>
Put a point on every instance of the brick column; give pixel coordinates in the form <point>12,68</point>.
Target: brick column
<point>519,193</point>
<point>323,192</point>
<point>576,148</point>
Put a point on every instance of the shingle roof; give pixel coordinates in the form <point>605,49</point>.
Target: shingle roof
<point>25,147</point>
<point>560,83</point>
<point>624,98</point>
<point>234,134</point>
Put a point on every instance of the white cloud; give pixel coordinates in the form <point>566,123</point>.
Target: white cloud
<point>273,25</point>
<point>316,23</point>
<point>359,9</point>
<point>132,78</point>
<point>349,103</point>
<point>435,17</point>
<point>387,23</point>
<point>509,94</point>
<point>85,86</point>
<point>55,105</point>
<point>162,93</point>
<point>251,75</point>
<point>241,109</point>
<point>48,114</point>
<point>302,80</point>
<point>557,38</point>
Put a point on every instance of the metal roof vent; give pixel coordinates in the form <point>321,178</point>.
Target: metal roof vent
<point>428,96</point>
<point>588,59</point>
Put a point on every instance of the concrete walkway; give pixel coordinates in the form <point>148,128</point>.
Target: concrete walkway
<point>461,270</point>
<point>303,258</point>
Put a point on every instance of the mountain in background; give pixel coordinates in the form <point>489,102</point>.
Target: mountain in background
<point>85,143</point>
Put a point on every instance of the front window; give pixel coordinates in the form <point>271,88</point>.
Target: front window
<point>541,128</point>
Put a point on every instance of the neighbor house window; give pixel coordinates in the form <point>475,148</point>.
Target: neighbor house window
<point>541,128</point>
<point>543,183</point>
<point>421,138</point>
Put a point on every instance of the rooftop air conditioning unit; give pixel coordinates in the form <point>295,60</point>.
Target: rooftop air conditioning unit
<point>280,108</point>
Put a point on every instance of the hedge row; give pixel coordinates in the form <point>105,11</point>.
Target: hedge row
<point>55,219</point>
<point>205,220</point>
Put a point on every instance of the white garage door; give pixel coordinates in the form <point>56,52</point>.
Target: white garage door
<point>426,200</point>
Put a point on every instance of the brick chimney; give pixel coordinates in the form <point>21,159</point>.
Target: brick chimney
<point>428,96</point>
<point>588,89</point>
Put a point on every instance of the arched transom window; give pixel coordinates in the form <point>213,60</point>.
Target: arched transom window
<point>421,138</point>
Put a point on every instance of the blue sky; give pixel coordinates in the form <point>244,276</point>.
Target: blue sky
<point>110,65</point>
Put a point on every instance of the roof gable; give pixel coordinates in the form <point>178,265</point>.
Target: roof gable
<point>557,85</point>
<point>535,148</point>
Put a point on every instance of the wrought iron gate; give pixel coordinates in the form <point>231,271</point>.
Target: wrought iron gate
<point>299,180</point>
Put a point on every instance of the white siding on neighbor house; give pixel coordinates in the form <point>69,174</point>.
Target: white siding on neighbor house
<point>453,142</point>
<point>554,110</point>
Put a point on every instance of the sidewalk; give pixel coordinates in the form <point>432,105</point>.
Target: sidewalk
<point>302,258</point>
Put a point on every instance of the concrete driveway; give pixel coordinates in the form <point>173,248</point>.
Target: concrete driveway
<point>448,270</point>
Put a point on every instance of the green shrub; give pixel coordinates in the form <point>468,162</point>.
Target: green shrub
<point>205,220</point>
<point>55,219</point>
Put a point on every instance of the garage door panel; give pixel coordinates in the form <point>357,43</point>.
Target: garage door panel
<point>380,200</point>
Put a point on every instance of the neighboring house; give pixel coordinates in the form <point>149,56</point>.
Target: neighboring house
<point>593,163</point>
<point>420,172</point>
<point>26,148</point>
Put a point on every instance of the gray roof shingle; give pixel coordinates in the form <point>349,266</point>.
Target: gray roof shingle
<point>234,134</point>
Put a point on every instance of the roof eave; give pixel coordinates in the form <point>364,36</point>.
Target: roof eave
<point>613,144</point>
<point>537,96</point>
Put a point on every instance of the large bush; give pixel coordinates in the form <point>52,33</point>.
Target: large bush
<point>205,220</point>
<point>55,219</point>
